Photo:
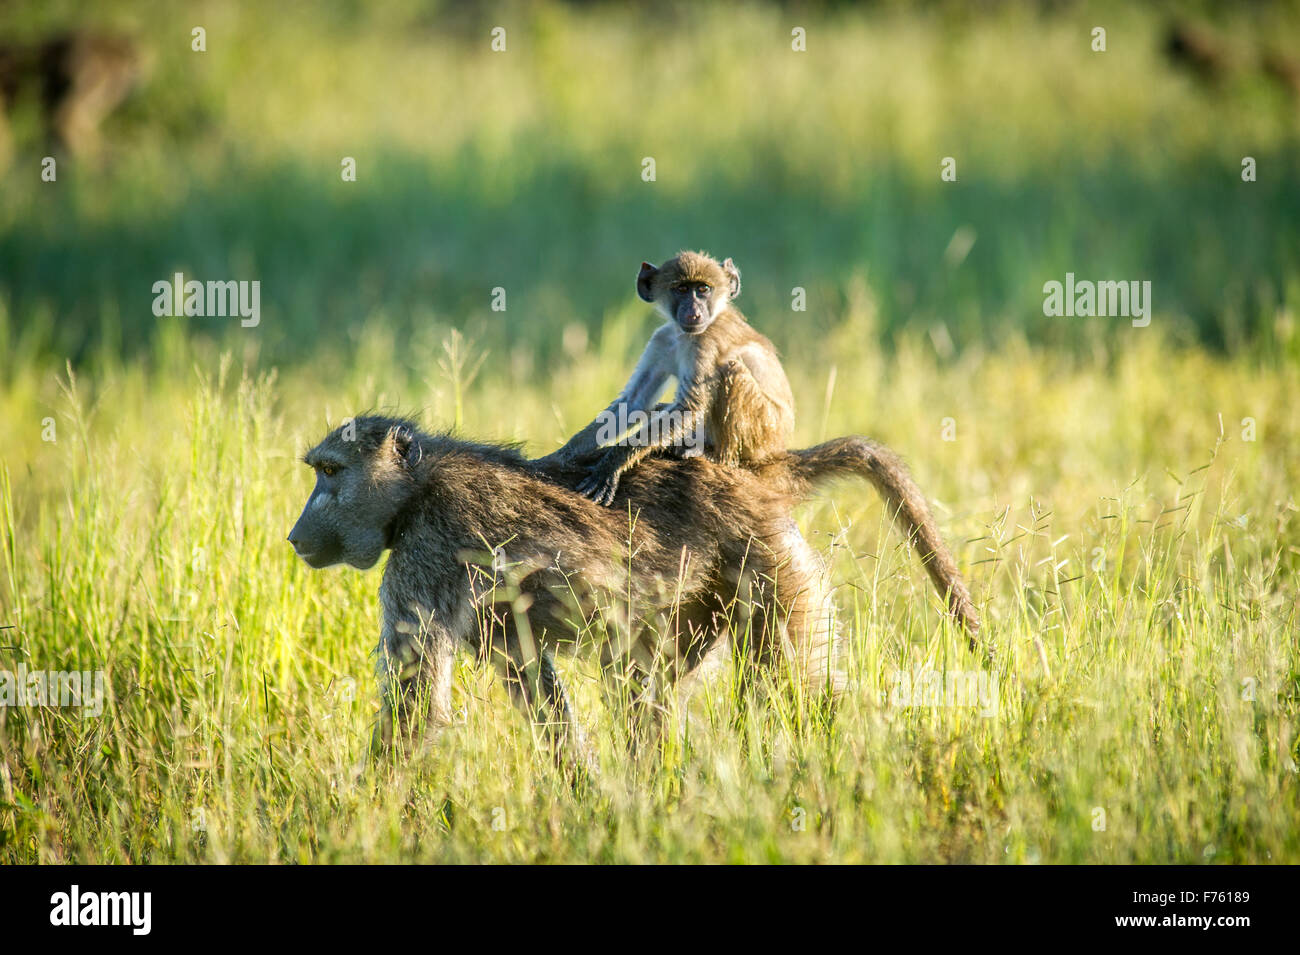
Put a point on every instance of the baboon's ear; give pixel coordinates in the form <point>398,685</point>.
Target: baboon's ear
<point>645,282</point>
<point>400,444</point>
<point>733,276</point>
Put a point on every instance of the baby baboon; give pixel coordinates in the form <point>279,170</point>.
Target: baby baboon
<point>733,401</point>
<point>492,551</point>
<point>79,77</point>
<point>731,383</point>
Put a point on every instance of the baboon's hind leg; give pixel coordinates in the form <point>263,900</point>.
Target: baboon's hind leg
<point>534,685</point>
<point>662,659</point>
<point>784,615</point>
<point>805,604</point>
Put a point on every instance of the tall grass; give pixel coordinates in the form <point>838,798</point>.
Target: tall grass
<point>1136,567</point>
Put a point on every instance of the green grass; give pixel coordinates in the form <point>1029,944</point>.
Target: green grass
<point>1131,538</point>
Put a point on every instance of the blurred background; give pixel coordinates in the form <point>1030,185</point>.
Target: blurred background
<point>521,169</point>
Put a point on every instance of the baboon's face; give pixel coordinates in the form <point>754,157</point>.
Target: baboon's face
<point>690,289</point>
<point>363,481</point>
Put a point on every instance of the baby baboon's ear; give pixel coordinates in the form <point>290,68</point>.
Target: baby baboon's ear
<point>645,281</point>
<point>733,276</point>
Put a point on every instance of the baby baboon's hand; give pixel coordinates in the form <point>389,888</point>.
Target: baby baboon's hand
<point>553,460</point>
<point>600,484</point>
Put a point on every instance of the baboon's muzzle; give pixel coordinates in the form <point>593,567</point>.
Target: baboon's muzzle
<point>318,550</point>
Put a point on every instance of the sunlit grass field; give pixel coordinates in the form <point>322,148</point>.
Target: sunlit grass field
<point>1122,499</point>
<point>1135,563</point>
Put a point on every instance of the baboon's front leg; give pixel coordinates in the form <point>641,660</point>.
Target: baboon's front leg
<point>416,661</point>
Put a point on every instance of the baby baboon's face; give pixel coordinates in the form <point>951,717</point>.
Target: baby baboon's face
<point>363,480</point>
<point>689,289</point>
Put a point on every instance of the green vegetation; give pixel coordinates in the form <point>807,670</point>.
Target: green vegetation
<point>1124,499</point>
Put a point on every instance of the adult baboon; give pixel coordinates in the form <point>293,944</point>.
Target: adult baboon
<point>493,551</point>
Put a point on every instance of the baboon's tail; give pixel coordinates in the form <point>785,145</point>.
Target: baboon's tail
<point>861,457</point>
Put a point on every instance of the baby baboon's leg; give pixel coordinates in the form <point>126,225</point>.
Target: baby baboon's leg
<point>746,423</point>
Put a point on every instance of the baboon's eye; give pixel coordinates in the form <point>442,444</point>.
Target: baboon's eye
<point>705,290</point>
<point>329,470</point>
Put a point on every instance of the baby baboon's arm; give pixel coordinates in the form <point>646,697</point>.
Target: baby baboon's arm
<point>668,427</point>
<point>652,372</point>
